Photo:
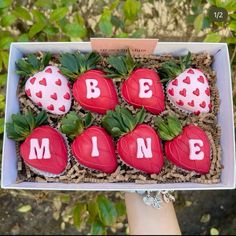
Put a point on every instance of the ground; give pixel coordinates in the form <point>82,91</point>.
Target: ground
<point>198,212</point>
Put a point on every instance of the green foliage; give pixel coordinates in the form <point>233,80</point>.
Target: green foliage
<point>30,65</point>
<point>100,213</point>
<point>73,124</point>
<point>131,9</point>
<point>22,126</point>
<point>75,64</point>
<point>168,127</point>
<point>121,66</point>
<point>121,121</point>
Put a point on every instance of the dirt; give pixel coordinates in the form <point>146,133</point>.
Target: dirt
<point>216,209</point>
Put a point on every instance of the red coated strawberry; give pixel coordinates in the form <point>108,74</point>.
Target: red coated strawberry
<point>188,88</point>
<point>92,147</point>
<point>188,148</point>
<point>141,87</point>
<point>91,89</point>
<point>43,148</point>
<point>45,85</point>
<point>139,146</point>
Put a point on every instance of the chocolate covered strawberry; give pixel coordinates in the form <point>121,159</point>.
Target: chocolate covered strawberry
<point>42,147</point>
<point>188,87</point>
<point>91,89</point>
<point>141,87</point>
<point>45,85</point>
<point>91,146</point>
<point>187,147</point>
<point>139,146</point>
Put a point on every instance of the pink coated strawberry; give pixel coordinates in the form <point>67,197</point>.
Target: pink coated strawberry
<point>92,147</point>
<point>138,146</point>
<point>47,88</point>
<point>188,147</point>
<point>91,89</point>
<point>190,91</point>
<point>141,87</point>
<point>187,90</point>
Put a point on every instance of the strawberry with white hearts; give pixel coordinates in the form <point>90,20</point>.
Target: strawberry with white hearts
<point>48,88</point>
<point>187,89</point>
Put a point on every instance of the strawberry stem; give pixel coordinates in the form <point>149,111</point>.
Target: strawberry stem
<point>23,125</point>
<point>121,121</point>
<point>168,127</point>
<point>73,125</point>
<point>169,70</point>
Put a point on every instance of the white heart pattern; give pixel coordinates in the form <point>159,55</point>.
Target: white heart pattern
<point>190,92</point>
<point>50,90</point>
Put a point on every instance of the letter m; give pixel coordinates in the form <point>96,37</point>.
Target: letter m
<point>37,151</point>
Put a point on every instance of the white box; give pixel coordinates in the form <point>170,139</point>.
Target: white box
<point>225,117</point>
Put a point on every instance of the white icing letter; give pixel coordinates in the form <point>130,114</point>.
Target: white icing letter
<point>195,150</point>
<point>37,152</point>
<point>92,90</point>
<point>144,88</point>
<point>95,152</point>
<point>144,150</point>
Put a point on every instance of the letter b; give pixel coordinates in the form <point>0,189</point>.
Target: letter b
<point>92,88</point>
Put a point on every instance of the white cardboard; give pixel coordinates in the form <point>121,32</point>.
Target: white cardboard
<point>222,67</point>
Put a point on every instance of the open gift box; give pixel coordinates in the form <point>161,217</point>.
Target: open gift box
<point>221,66</point>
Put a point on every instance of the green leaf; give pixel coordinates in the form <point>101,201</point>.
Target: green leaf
<point>38,16</point>
<point>3,79</point>
<point>106,28</point>
<point>233,16</point>
<point>198,22</point>
<point>25,208</point>
<point>23,38</point>
<point>120,208</point>
<point>140,116</point>
<point>131,9</point>
<point>118,23</point>
<point>88,120</point>
<point>44,4</point>
<point>36,28</point>
<point>32,59</point>
<point>114,5</point>
<point>41,118</point>
<point>98,229</point>
<point>1,125</point>
<point>75,30</point>
<point>46,59</point>
<point>231,40</point>
<point>69,62</point>
<point>229,5</point>
<point>8,20</point>
<point>22,13</point>
<point>5,56</point>
<point>58,13</point>
<point>212,37</point>
<point>139,33</point>
<point>78,213</point>
<point>5,42</point>
<point>51,30</point>
<point>107,211</point>
<point>93,211</point>
<point>5,3</point>
<point>232,26</point>
<point>116,132</point>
